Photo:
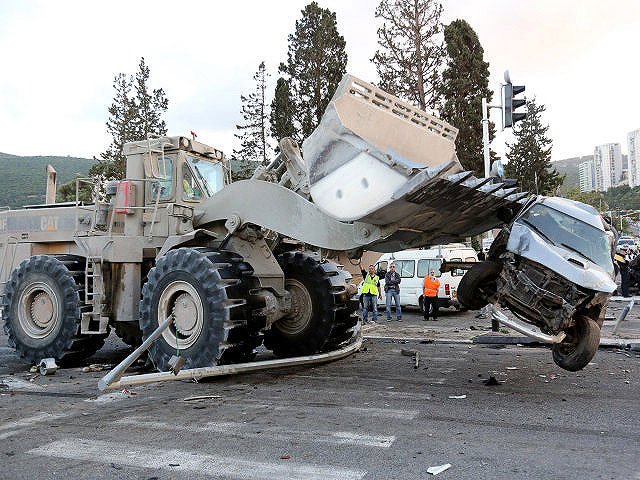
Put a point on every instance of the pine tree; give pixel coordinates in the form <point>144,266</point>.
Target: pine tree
<point>282,111</point>
<point>530,155</point>
<point>411,50</point>
<point>464,82</point>
<point>254,146</point>
<point>316,62</point>
<point>134,114</point>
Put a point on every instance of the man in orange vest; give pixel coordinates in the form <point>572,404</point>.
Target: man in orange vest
<point>430,295</point>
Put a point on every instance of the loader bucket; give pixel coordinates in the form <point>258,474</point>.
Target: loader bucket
<point>368,146</point>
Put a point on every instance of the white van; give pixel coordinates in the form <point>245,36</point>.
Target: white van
<point>414,265</point>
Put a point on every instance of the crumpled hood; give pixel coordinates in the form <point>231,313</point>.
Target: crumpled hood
<point>577,269</point>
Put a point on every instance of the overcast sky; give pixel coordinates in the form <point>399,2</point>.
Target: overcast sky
<point>581,58</point>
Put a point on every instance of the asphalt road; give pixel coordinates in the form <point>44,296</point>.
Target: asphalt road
<point>371,416</point>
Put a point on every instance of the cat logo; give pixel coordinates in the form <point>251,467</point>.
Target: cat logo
<point>48,223</point>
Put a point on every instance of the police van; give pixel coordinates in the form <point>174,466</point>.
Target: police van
<point>414,265</point>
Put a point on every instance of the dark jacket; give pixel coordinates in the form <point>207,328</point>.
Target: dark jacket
<point>392,281</point>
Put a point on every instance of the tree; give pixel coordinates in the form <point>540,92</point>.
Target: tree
<point>316,62</point>
<point>465,81</point>
<point>131,117</point>
<point>595,199</point>
<point>254,146</point>
<point>530,156</point>
<point>411,50</point>
<point>282,111</point>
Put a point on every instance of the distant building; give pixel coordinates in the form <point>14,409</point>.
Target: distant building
<point>607,160</point>
<point>633,141</point>
<point>587,176</point>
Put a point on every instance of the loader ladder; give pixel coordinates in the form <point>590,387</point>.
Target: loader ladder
<point>93,321</point>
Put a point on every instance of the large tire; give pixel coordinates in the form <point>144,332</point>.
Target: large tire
<point>42,310</point>
<point>478,284</point>
<point>322,314</point>
<point>580,345</point>
<point>203,289</point>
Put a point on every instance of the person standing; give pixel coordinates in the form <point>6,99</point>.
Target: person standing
<point>430,295</point>
<point>370,292</point>
<point>622,259</point>
<point>392,290</point>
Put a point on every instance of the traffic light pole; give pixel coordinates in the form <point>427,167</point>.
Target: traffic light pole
<point>485,137</point>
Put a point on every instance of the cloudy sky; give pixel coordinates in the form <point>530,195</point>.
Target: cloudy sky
<point>581,58</point>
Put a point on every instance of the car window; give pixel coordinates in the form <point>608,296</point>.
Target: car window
<point>426,265</point>
<point>406,268</point>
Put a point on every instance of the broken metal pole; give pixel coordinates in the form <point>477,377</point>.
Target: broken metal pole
<point>625,311</point>
<point>117,372</point>
<point>116,382</point>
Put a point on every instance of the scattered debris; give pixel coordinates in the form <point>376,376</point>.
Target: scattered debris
<point>201,397</point>
<point>174,464</point>
<point>407,352</point>
<point>417,364</point>
<point>492,381</point>
<point>512,368</point>
<point>285,457</point>
<point>175,364</point>
<point>128,393</point>
<point>438,469</point>
<point>33,369</point>
<point>457,397</point>
<point>94,367</point>
<point>47,366</point>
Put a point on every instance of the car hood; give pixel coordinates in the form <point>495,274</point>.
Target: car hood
<point>577,269</point>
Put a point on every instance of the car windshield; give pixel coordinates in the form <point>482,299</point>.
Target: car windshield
<point>210,175</point>
<point>568,232</point>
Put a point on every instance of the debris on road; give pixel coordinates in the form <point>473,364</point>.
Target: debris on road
<point>417,364</point>
<point>492,381</point>
<point>94,367</point>
<point>438,469</point>
<point>407,353</point>
<point>201,397</point>
<point>457,397</point>
<point>33,369</point>
<point>47,366</point>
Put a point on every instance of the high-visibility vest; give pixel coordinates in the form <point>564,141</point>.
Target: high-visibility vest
<point>370,284</point>
<point>430,288</point>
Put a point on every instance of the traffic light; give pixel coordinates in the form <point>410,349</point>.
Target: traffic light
<point>509,115</point>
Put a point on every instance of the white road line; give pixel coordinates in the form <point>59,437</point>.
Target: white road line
<point>27,422</point>
<point>154,458</point>
<point>383,412</point>
<point>272,433</point>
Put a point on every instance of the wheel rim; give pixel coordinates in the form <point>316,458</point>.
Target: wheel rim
<point>301,308</point>
<point>181,300</point>
<point>38,311</point>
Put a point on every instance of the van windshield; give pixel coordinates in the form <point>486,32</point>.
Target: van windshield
<point>565,231</point>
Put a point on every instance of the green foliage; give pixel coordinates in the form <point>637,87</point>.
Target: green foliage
<point>134,114</point>
<point>316,62</point>
<point>282,111</point>
<point>253,131</point>
<point>242,169</point>
<point>530,156</point>
<point>595,199</point>
<point>24,179</point>
<point>623,198</point>
<point>411,50</point>
<point>464,82</point>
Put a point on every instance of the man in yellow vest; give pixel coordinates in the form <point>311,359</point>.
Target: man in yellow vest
<point>370,293</point>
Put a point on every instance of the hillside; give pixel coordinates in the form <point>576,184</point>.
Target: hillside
<point>23,180</point>
<point>569,166</point>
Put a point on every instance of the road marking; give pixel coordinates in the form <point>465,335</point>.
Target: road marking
<point>272,433</point>
<point>384,413</point>
<point>27,422</point>
<point>142,456</point>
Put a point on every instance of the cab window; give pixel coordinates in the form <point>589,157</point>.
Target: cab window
<point>190,188</point>
<point>164,184</point>
<point>210,175</point>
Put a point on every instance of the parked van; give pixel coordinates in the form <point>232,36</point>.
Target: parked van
<point>414,265</point>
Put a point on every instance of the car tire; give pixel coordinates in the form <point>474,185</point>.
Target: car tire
<point>580,345</point>
<point>478,284</point>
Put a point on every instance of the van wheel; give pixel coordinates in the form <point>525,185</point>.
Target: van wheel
<point>478,284</point>
<point>580,345</point>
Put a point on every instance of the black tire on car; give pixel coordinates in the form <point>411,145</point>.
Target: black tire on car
<point>478,284</point>
<point>42,310</point>
<point>580,345</point>
<point>322,316</point>
<point>187,283</point>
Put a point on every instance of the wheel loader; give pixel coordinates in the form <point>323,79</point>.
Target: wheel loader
<point>239,264</point>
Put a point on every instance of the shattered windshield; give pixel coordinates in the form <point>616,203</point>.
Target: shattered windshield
<point>210,175</point>
<point>570,233</point>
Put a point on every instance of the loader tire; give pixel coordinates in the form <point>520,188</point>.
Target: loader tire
<point>478,284</point>
<point>322,316</point>
<point>204,290</point>
<point>580,345</point>
<point>42,310</point>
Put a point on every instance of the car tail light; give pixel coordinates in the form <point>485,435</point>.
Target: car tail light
<point>447,290</point>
